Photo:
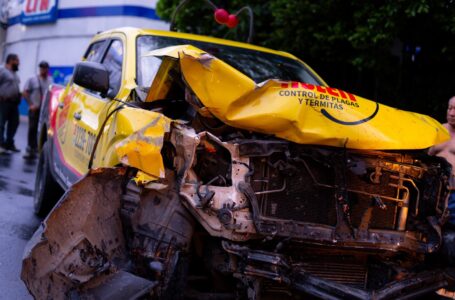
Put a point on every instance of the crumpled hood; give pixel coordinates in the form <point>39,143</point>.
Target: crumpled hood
<point>300,112</point>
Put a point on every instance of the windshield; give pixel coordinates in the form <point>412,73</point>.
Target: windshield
<point>257,65</point>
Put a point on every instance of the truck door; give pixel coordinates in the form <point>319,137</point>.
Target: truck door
<point>86,110</point>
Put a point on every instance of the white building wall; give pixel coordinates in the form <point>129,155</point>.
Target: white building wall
<point>63,43</point>
<point>87,3</point>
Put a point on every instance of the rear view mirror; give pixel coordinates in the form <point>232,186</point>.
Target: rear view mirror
<point>92,76</point>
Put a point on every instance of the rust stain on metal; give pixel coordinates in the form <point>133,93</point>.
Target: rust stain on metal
<point>69,250</point>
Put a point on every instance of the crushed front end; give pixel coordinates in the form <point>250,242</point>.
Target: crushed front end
<point>241,190</point>
<point>329,222</point>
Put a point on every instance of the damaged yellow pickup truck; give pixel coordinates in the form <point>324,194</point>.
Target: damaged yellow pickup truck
<point>201,168</point>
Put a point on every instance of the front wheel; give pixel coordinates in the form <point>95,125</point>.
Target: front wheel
<point>47,190</point>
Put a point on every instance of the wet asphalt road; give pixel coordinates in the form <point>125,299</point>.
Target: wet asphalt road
<point>17,221</point>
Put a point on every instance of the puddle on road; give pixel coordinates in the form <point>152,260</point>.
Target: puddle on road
<point>17,190</point>
<point>15,187</point>
<point>23,231</point>
<point>14,161</point>
<point>25,192</point>
<point>12,179</point>
<point>5,161</point>
<point>3,184</point>
<point>29,166</point>
<point>28,170</point>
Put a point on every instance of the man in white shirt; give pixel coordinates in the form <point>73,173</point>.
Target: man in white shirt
<point>34,90</point>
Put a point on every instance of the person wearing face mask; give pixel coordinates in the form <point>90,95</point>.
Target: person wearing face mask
<point>10,97</point>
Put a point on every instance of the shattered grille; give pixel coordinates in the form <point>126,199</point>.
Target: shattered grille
<point>340,272</point>
<point>295,197</point>
<point>381,219</point>
<point>290,193</point>
<point>300,200</point>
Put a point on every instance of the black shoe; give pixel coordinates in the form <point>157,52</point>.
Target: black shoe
<point>12,148</point>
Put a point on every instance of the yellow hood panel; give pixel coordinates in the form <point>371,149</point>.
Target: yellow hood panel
<point>302,113</point>
<point>142,149</point>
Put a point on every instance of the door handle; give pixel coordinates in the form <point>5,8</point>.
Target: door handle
<point>77,116</point>
<point>61,105</point>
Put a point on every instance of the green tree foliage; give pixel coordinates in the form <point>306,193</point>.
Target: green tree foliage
<point>197,17</point>
<point>399,52</point>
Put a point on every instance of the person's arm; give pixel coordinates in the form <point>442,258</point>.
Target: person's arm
<point>436,149</point>
<point>26,94</point>
<point>2,79</point>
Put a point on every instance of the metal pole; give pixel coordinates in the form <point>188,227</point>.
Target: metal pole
<point>251,29</point>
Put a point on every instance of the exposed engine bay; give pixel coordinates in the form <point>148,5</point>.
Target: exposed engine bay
<point>267,218</point>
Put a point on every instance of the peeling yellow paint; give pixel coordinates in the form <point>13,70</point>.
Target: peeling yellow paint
<point>142,178</point>
<point>142,149</point>
<point>175,51</point>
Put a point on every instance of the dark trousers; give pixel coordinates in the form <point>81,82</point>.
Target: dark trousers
<point>451,207</point>
<point>33,118</point>
<point>9,121</point>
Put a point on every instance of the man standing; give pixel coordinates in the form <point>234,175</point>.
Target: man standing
<point>447,151</point>
<point>34,90</point>
<point>10,98</point>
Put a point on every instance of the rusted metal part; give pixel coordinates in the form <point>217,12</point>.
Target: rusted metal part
<point>221,208</point>
<point>242,191</point>
<point>308,209</point>
<point>118,286</point>
<point>80,245</point>
<point>275,267</point>
<point>158,230</point>
<point>219,201</point>
<point>413,287</point>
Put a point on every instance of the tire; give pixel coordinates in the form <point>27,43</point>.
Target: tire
<point>47,190</point>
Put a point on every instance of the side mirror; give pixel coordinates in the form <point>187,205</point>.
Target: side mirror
<point>92,76</point>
